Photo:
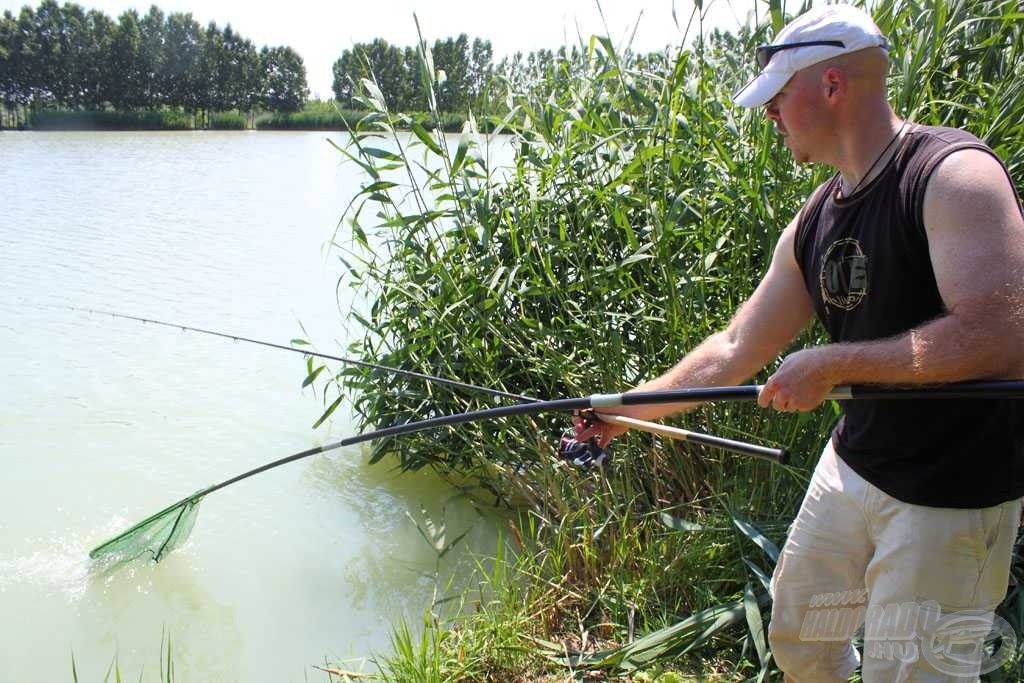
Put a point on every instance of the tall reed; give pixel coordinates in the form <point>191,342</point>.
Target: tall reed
<point>640,210</point>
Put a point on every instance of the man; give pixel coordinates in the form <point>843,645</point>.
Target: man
<point>912,257</point>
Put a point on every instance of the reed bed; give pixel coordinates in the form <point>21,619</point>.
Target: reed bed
<point>640,210</point>
<point>331,118</point>
<point>228,121</point>
<point>47,119</point>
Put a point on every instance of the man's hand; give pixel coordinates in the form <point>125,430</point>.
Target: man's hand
<point>800,384</point>
<point>604,431</point>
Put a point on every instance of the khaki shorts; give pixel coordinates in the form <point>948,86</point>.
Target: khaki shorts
<point>907,574</point>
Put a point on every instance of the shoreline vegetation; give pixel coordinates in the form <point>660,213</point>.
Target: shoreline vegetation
<point>316,116</point>
<point>639,212</point>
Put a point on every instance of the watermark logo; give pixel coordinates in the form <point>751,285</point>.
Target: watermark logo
<point>969,643</point>
<point>962,643</point>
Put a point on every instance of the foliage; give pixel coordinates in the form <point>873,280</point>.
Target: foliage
<point>577,590</point>
<point>463,74</point>
<point>284,79</point>
<point>396,70</point>
<point>227,121</point>
<point>616,224</point>
<point>62,56</point>
<point>45,119</point>
<point>639,211</point>
<point>331,118</point>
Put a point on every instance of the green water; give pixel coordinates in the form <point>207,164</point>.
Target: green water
<point>103,422</point>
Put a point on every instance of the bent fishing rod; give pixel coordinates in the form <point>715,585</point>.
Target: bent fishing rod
<point>731,445</point>
<point>174,523</point>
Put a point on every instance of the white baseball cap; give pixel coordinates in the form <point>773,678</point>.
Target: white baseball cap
<point>816,35</point>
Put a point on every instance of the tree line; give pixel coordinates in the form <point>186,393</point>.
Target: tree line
<point>64,56</point>
<point>467,77</point>
<point>466,67</point>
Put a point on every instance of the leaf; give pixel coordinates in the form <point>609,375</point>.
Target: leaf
<point>378,186</point>
<point>761,576</point>
<point>426,138</point>
<point>375,94</point>
<point>299,342</point>
<point>311,377</point>
<point>436,531</point>
<point>548,645</point>
<point>460,154</point>
<point>755,535</point>
<point>370,170</point>
<point>604,525</point>
<point>671,639</point>
<point>454,542</point>
<point>755,624</point>
<point>427,535</point>
<point>639,255</point>
<point>778,20</point>
<point>378,153</point>
<point>330,409</point>
<point>678,524</point>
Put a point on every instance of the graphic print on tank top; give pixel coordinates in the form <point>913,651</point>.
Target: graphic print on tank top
<point>844,274</point>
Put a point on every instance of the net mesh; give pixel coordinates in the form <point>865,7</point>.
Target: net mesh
<point>153,537</point>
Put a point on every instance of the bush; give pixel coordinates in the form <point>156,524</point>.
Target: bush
<point>48,119</point>
<point>348,119</point>
<point>228,121</point>
<point>309,120</point>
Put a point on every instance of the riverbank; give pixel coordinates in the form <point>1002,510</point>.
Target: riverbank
<point>164,120</point>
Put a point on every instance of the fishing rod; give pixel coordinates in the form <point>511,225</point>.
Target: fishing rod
<point>162,532</point>
<point>732,445</point>
<point>167,529</point>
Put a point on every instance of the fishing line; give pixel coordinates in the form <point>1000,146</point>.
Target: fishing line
<point>341,359</point>
<point>679,434</point>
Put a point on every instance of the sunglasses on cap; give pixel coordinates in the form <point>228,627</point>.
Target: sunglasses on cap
<point>764,53</point>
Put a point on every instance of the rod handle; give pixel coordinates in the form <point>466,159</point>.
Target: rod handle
<point>776,454</point>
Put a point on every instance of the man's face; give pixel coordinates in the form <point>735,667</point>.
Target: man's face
<point>800,116</point>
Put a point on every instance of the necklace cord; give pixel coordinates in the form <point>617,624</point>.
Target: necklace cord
<point>844,195</point>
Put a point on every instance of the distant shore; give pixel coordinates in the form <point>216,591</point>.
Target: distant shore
<point>164,120</point>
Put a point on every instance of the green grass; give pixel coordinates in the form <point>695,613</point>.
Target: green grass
<point>165,666</point>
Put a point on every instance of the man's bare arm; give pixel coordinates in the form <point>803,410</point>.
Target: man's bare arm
<point>976,243</point>
<point>762,327</point>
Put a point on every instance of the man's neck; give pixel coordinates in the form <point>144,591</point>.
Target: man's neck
<point>863,150</point>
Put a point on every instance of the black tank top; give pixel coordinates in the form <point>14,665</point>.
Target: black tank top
<point>866,265</point>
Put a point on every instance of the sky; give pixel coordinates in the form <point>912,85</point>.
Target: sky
<point>320,29</point>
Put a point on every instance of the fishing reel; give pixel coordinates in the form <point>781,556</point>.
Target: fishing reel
<point>582,454</point>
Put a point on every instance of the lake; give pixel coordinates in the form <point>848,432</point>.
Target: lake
<point>104,421</point>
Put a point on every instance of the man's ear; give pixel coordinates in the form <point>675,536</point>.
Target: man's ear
<point>833,79</point>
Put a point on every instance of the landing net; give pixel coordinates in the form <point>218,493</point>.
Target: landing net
<point>153,537</point>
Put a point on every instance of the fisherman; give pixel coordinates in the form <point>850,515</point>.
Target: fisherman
<point>912,258</point>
